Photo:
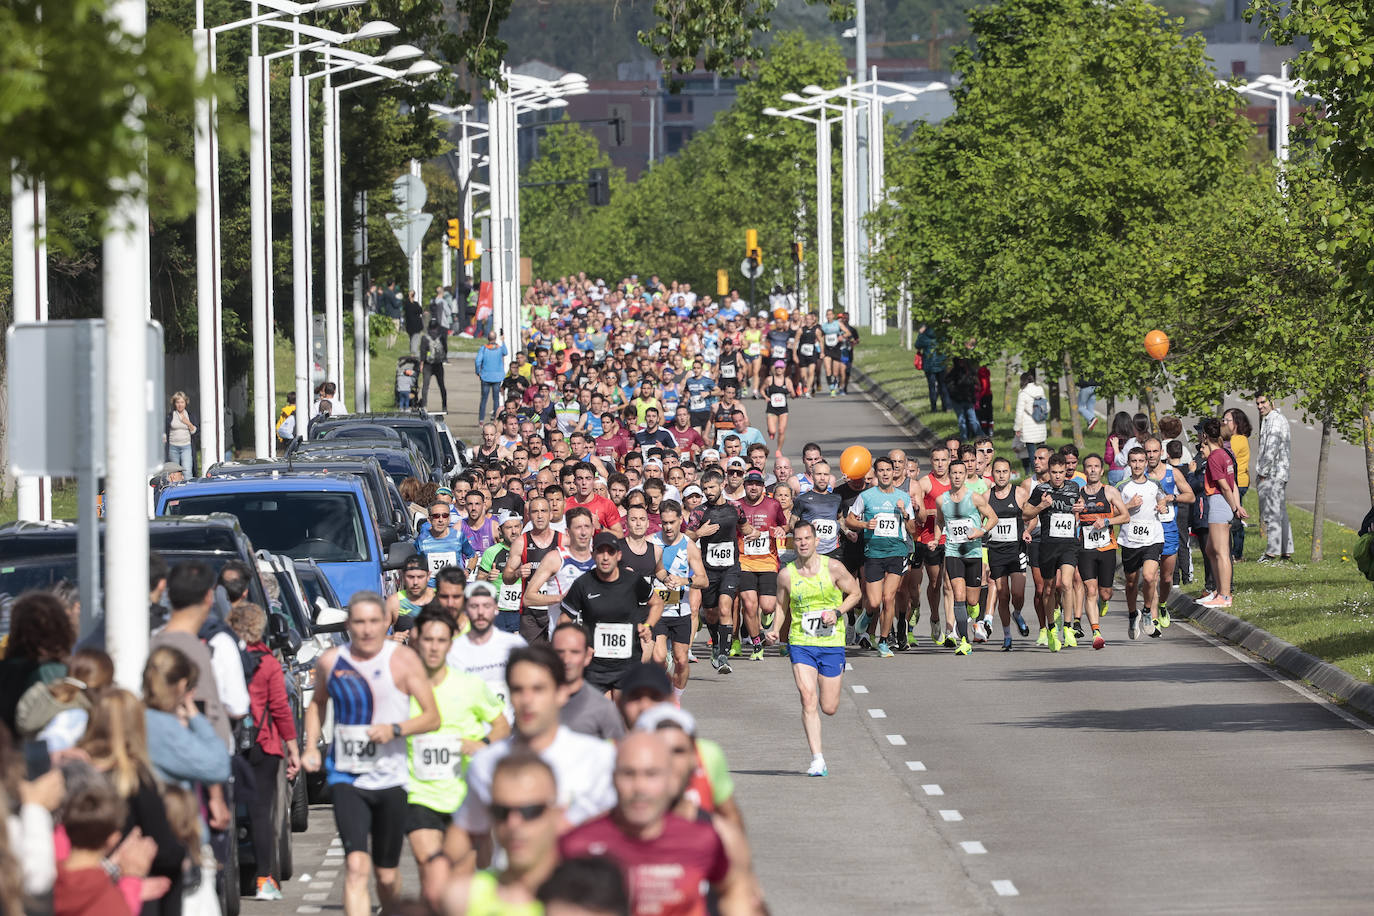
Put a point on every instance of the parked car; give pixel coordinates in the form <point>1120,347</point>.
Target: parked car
<point>327,518</point>
<point>419,428</point>
<point>393,520</point>
<point>399,459</point>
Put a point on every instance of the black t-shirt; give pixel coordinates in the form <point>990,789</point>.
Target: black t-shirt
<point>510,502</point>
<point>1053,523</point>
<point>610,612</point>
<point>852,551</point>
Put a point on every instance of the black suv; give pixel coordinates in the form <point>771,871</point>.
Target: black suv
<point>415,426</point>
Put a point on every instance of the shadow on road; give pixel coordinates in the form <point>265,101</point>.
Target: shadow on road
<point>1220,717</point>
<point>1175,673</point>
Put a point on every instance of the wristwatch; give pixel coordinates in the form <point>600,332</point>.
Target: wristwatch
<point>396,730</point>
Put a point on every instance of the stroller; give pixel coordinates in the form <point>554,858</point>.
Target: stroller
<point>407,380</point>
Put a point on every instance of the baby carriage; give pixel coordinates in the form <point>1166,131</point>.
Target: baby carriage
<point>407,379</point>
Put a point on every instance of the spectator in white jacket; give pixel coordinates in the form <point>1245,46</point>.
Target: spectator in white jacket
<point>1027,430</point>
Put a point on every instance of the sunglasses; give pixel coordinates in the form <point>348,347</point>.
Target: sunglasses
<point>986,451</point>
<point>735,473</point>
<point>501,813</point>
<point>438,515</point>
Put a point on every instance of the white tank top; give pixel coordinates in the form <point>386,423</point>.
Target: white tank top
<point>364,694</point>
<point>1145,527</point>
<point>567,574</point>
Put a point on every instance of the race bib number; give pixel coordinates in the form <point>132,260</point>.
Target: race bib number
<point>437,757</point>
<point>1096,538</point>
<point>957,529</point>
<point>440,559</point>
<point>354,752</point>
<point>1168,515</point>
<point>812,624</point>
<point>1141,531</point>
<point>779,352</point>
<point>727,370</point>
<point>509,599</point>
<point>807,349</point>
<point>827,529</point>
<point>613,640</point>
<point>755,546</point>
<point>887,526</point>
<point>1004,532</point>
<point>832,339</point>
<point>1061,524</point>
<point>721,553</point>
<point>754,349</point>
<point>777,399</point>
<point>696,403</point>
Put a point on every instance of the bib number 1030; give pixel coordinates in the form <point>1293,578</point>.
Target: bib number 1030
<point>354,752</point>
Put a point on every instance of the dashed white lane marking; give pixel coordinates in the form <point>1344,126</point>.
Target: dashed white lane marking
<point>1300,689</point>
<point>1005,888</point>
<point>949,814</point>
<point>859,688</point>
<point>896,740</point>
<point>314,898</point>
<point>877,714</point>
<point>848,666</point>
<point>307,909</point>
<point>321,885</point>
<point>933,789</point>
<point>915,766</point>
<point>322,873</point>
<point>973,847</point>
<point>336,842</point>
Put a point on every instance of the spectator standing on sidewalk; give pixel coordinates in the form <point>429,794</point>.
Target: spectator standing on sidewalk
<point>491,371</point>
<point>1272,463</point>
<point>1236,429</point>
<point>933,365</point>
<point>414,322</point>
<point>433,355</point>
<point>1032,410</point>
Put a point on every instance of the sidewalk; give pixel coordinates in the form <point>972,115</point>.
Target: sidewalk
<point>463,394</point>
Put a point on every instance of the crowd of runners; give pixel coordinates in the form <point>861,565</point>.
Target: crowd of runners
<point>513,713</point>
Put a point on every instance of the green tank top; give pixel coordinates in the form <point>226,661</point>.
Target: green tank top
<point>483,901</point>
<point>810,595</point>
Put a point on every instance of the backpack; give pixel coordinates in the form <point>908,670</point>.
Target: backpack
<point>1040,409</point>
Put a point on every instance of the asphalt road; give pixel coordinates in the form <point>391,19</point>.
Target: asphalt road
<point>1160,775</point>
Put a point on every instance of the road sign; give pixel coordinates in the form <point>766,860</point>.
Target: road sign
<point>56,374</point>
<point>409,224</point>
<point>751,269</point>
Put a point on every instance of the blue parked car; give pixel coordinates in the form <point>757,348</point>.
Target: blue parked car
<point>306,516</point>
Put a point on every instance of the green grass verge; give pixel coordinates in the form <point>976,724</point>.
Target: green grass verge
<point>1324,608</point>
<point>889,365</point>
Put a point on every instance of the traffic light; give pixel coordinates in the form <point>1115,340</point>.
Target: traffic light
<point>797,253</point>
<point>455,233</point>
<point>471,250</point>
<point>751,246</point>
<point>722,282</point>
<point>598,187</point>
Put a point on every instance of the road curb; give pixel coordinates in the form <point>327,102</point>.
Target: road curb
<point>1288,658</point>
<point>900,412</point>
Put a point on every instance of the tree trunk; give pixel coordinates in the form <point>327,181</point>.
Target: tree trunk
<point>1009,384</point>
<point>1149,398</point>
<point>1367,418</point>
<point>1319,499</point>
<point>1076,421</point>
<point>1056,420</point>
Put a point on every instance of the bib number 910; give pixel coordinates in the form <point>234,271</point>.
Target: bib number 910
<point>437,757</point>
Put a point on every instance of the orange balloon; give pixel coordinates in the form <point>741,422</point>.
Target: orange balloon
<point>855,462</point>
<point>1157,344</point>
<point>780,314</point>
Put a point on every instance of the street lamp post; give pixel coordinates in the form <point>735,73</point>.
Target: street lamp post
<point>1281,90</point>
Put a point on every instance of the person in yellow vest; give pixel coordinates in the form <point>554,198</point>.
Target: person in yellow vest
<point>818,592</point>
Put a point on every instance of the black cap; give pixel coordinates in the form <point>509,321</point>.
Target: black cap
<point>754,476</point>
<point>605,539</point>
<point>646,676</point>
<point>415,561</point>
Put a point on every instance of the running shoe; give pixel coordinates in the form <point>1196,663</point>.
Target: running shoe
<point>724,666</point>
<point>863,641</point>
<point>1098,640</point>
<point>861,624</point>
<point>734,647</point>
<point>832,392</point>
<point>757,654</point>
<point>935,629</point>
<point>1020,623</point>
<point>883,650</point>
<point>692,657</point>
<point>979,635</point>
<point>1053,642</point>
<point>784,651</point>
<point>1006,643</point>
<point>1134,628</point>
<point>767,620</point>
<point>1153,628</point>
<point>911,621</point>
<point>817,768</point>
<point>716,661</point>
<point>268,889</point>
<point>1092,423</point>
<point>1044,638</point>
<point>1071,638</point>
<point>1216,600</point>
<point>898,643</point>
<point>963,648</point>
<point>1078,628</point>
<point>1164,620</point>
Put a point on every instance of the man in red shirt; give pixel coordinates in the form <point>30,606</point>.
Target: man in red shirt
<point>758,559</point>
<point>665,858</point>
<point>613,442</point>
<point>604,513</point>
<point>689,441</point>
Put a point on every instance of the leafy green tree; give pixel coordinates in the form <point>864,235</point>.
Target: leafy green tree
<point>554,194</point>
